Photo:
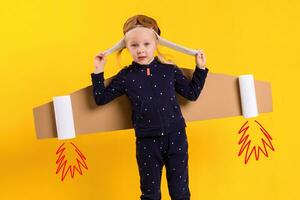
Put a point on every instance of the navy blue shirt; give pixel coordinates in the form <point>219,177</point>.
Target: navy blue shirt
<point>155,109</point>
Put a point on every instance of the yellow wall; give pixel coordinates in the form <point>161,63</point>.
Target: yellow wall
<point>47,49</point>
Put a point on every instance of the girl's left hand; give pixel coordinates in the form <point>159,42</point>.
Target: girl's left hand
<point>200,59</point>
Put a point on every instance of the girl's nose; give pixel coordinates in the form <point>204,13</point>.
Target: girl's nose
<point>141,50</point>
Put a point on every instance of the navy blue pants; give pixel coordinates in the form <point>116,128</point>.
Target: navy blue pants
<point>152,153</point>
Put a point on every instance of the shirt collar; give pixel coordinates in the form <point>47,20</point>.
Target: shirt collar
<point>152,63</point>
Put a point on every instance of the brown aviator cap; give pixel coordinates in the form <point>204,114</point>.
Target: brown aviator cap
<point>141,20</point>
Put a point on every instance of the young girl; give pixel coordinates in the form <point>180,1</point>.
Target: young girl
<point>150,83</point>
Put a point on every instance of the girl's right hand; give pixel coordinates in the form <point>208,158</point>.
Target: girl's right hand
<point>99,62</point>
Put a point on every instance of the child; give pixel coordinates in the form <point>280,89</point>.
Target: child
<point>151,83</point>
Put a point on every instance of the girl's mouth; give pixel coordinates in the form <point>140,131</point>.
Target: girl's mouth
<point>142,57</point>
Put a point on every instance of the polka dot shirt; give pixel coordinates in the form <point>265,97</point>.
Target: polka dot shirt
<point>151,89</point>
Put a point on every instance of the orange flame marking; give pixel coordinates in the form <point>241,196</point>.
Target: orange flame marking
<point>245,140</point>
<point>62,162</point>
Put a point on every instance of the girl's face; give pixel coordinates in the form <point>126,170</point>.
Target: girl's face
<point>142,44</point>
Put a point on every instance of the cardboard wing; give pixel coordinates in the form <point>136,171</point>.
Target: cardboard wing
<point>220,97</point>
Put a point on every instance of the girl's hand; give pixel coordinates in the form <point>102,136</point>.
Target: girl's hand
<point>200,59</point>
<point>99,62</point>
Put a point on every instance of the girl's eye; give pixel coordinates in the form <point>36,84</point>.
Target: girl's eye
<point>146,44</point>
<point>134,45</point>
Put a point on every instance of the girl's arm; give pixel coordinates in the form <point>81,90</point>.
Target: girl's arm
<point>115,88</point>
<point>190,89</point>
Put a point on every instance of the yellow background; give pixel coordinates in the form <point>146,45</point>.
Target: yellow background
<point>47,49</point>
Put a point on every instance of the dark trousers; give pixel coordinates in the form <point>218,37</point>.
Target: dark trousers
<point>152,153</point>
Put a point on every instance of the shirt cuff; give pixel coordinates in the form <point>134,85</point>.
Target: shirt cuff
<point>205,71</point>
<point>97,78</point>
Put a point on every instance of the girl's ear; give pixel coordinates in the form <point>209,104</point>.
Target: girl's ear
<point>125,41</point>
<point>156,41</point>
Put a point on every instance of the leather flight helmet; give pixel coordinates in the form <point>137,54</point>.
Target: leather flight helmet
<point>140,20</point>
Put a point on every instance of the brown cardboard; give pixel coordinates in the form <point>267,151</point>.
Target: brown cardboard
<point>219,98</point>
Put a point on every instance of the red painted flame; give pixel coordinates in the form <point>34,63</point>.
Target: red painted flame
<point>63,164</point>
<point>248,147</point>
